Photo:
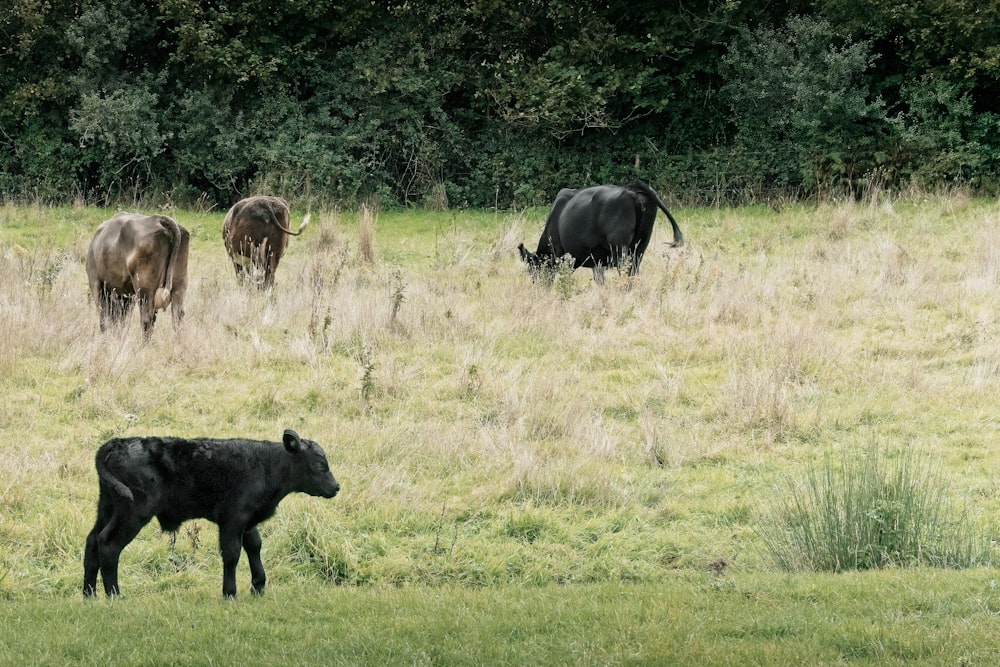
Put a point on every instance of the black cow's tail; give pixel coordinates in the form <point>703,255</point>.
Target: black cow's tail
<point>639,186</point>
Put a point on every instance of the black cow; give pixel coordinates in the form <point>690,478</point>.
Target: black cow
<point>235,483</point>
<point>604,225</point>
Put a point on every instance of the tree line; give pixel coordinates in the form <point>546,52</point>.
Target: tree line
<point>494,102</point>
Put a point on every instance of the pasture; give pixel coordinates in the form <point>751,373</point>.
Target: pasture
<point>572,475</point>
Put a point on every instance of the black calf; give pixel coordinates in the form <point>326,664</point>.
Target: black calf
<point>234,483</point>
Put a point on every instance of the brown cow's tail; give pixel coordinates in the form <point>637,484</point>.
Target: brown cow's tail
<point>277,223</point>
<point>305,221</point>
<point>648,191</point>
<point>161,299</point>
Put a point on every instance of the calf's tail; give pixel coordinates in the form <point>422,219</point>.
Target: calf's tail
<point>112,482</point>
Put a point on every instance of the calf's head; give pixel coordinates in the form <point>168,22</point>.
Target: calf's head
<point>310,471</point>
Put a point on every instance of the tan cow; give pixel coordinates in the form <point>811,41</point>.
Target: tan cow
<point>142,258</point>
<point>256,233</point>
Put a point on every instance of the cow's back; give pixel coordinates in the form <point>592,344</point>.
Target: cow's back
<point>253,220</point>
<point>125,243</point>
<point>596,218</point>
<point>177,479</point>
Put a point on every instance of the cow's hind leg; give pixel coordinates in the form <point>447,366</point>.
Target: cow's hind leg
<point>241,272</point>
<point>251,544</point>
<point>177,306</point>
<point>598,274</point>
<point>114,537</point>
<point>147,314</point>
<point>121,308</point>
<point>91,564</point>
<point>264,265</point>
<point>634,259</point>
<point>114,308</point>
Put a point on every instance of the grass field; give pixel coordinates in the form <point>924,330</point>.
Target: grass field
<point>884,618</point>
<point>572,475</point>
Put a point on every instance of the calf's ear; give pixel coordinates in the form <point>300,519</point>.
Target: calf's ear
<point>292,440</point>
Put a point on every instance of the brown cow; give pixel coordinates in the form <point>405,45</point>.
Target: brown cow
<point>256,233</point>
<point>140,258</point>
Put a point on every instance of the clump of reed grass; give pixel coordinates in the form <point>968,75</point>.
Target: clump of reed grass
<point>878,509</point>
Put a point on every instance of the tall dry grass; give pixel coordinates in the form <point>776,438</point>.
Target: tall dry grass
<point>437,375</point>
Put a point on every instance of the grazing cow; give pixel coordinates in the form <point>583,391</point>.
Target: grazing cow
<point>256,233</point>
<point>234,483</point>
<point>140,258</point>
<point>604,225</point>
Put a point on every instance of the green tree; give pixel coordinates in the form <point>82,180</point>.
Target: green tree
<point>491,101</point>
<point>950,40</point>
<point>799,102</point>
<point>35,145</point>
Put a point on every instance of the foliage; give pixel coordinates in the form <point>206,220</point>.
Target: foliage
<point>797,99</point>
<point>487,103</point>
<point>946,140</point>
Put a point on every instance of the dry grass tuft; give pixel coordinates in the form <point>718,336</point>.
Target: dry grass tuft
<point>366,234</point>
<point>896,263</point>
<point>843,220</point>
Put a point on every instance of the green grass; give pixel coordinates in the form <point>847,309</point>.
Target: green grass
<point>872,509</point>
<point>543,459</point>
<point>886,618</point>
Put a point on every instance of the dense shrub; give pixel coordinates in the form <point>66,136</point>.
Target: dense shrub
<point>486,103</point>
<point>798,98</point>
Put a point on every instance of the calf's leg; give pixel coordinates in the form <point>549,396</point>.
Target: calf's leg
<point>230,544</point>
<point>251,544</point>
<point>114,537</point>
<point>92,559</point>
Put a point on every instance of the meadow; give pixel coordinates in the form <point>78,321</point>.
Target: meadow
<point>571,474</point>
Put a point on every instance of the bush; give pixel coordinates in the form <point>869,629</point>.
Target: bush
<point>800,101</point>
<point>874,511</point>
<point>942,138</point>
